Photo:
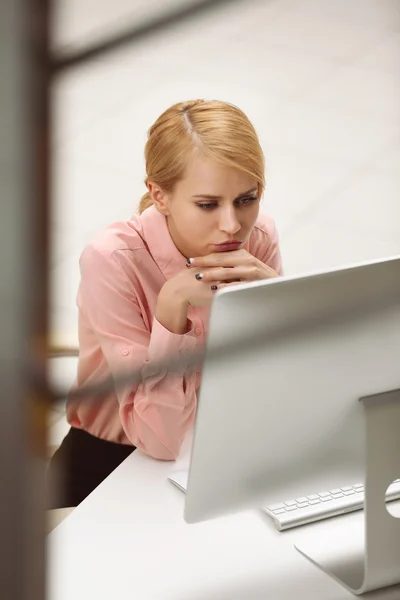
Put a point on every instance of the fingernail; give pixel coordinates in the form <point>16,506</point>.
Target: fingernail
<point>189,262</point>
<point>199,275</point>
<point>214,287</point>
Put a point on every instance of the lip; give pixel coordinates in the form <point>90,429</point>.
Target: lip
<point>227,246</point>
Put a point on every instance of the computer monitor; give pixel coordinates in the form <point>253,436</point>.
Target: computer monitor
<point>306,399</point>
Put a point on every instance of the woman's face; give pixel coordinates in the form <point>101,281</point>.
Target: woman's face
<point>212,209</point>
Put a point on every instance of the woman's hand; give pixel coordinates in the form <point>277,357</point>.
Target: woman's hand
<point>227,268</point>
<point>176,295</point>
<point>203,276</point>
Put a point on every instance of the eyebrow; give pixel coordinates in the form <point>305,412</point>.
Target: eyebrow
<point>211,197</point>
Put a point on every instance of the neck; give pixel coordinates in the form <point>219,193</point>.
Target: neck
<point>181,247</point>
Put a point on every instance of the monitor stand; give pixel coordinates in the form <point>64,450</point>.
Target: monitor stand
<point>371,559</point>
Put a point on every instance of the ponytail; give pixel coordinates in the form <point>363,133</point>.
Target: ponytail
<point>145,202</point>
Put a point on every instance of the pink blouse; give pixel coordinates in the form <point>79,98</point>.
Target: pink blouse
<point>122,272</point>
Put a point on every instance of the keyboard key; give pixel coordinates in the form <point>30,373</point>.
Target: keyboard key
<point>291,507</point>
<point>313,497</point>
<point>290,503</point>
<point>336,491</point>
<point>316,501</point>
<point>324,494</point>
<point>278,511</point>
<point>301,500</point>
<point>325,498</point>
<point>349,492</point>
<point>347,488</point>
<point>338,495</point>
<point>276,506</point>
<point>302,505</point>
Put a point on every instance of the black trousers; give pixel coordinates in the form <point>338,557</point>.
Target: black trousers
<point>79,465</point>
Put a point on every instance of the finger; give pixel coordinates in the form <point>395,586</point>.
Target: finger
<point>221,286</point>
<point>224,259</point>
<point>232,281</point>
<point>208,275</point>
<point>228,274</point>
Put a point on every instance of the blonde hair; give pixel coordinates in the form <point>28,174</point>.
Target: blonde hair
<point>218,130</point>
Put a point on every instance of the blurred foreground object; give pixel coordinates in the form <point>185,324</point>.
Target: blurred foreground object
<point>23,294</point>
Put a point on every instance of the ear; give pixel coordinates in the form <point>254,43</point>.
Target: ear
<point>159,197</point>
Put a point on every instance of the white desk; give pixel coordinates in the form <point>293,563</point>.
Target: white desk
<point>129,540</point>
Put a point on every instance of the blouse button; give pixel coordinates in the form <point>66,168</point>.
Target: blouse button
<point>124,351</point>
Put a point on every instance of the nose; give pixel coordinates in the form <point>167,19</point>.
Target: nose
<point>228,221</point>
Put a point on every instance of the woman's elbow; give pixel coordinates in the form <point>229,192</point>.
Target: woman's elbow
<point>161,443</point>
<point>156,449</point>
<point>164,454</point>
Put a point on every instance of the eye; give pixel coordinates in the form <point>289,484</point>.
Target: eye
<point>206,205</point>
<point>247,200</point>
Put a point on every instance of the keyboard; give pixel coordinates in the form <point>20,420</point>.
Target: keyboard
<point>309,509</point>
<point>324,505</point>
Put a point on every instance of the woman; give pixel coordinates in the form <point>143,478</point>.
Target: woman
<point>147,284</point>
